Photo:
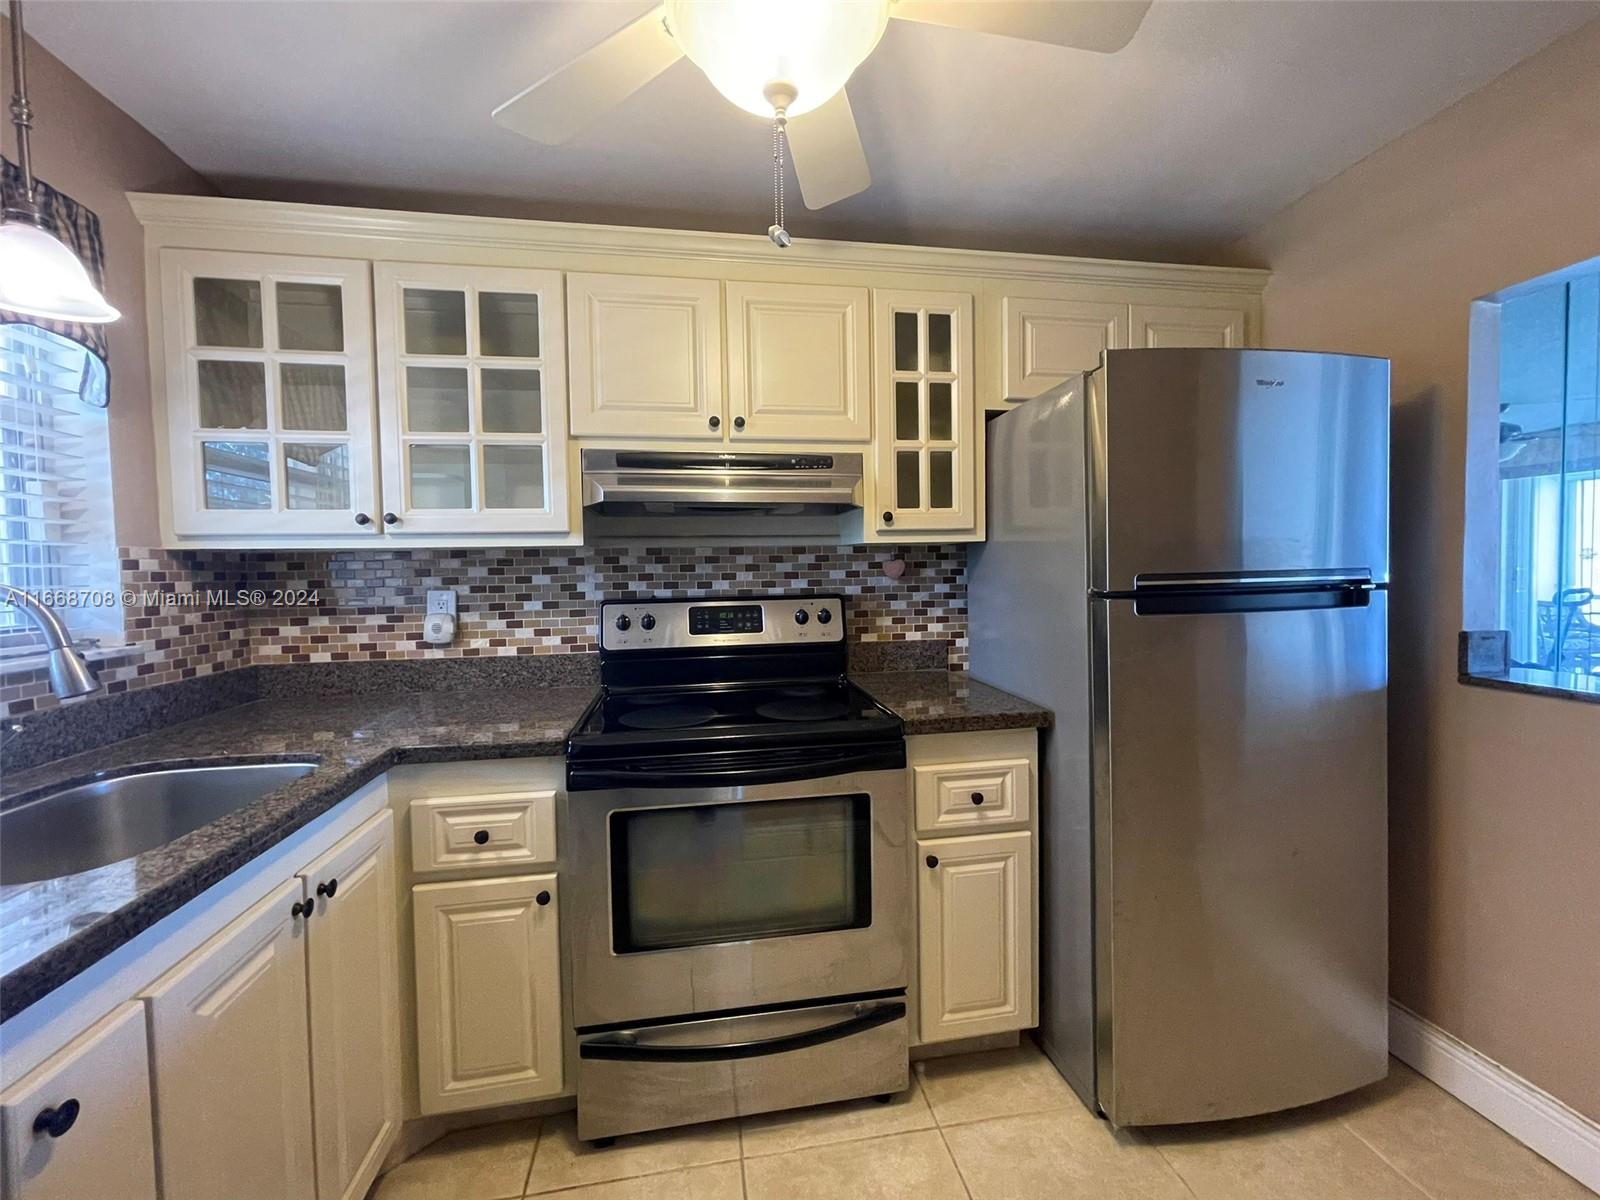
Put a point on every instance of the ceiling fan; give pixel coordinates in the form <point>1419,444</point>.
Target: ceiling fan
<point>788,60</point>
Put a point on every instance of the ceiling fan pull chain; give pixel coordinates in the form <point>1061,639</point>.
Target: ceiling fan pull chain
<point>778,234</point>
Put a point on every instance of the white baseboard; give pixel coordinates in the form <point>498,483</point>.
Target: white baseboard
<point>1533,1116</point>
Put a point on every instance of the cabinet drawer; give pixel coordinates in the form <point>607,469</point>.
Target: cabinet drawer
<point>98,1092</point>
<point>952,797</point>
<point>506,829</point>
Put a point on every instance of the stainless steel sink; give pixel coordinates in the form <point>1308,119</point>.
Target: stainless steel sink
<point>93,824</point>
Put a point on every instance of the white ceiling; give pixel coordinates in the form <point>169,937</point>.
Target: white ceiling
<point>1217,115</point>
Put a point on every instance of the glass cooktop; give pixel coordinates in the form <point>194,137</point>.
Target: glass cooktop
<point>747,710</point>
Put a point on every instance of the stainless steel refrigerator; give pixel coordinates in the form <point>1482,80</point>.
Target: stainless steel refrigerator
<point>1188,562</point>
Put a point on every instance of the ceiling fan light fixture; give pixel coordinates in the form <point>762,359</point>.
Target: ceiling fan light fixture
<point>757,51</point>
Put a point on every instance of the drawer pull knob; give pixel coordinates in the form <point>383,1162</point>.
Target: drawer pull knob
<point>738,422</point>
<point>888,518</point>
<point>715,422</point>
<point>363,519</point>
<point>390,519</point>
<point>977,797</point>
<point>328,889</point>
<point>57,1120</point>
<point>481,837</point>
<point>542,898</point>
<point>304,908</point>
<point>932,860</point>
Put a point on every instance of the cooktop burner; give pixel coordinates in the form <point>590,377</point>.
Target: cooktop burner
<point>664,713</point>
<point>802,708</point>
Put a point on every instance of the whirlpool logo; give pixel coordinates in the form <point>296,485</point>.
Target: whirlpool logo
<point>1269,383</point>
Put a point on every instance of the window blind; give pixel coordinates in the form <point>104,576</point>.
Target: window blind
<point>55,503</point>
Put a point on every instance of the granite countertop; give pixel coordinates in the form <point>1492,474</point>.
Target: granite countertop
<point>55,928</point>
<point>949,702</point>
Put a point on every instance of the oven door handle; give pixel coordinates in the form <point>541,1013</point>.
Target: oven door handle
<point>628,1051</point>
<point>735,769</point>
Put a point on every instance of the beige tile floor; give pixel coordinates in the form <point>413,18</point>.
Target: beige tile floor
<point>1003,1126</point>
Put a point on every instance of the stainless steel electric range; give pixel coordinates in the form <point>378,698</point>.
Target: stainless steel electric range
<point>736,828</point>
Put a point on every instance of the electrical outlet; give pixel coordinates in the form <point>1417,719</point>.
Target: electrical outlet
<point>442,602</point>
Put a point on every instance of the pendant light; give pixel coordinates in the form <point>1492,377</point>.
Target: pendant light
<point>40,276</point>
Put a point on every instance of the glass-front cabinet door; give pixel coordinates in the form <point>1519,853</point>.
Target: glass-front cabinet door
<point>926,428</point>
<point>269,399</point>
<point>472,391</point>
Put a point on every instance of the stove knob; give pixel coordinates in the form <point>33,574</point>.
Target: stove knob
<point>623,622</point>
<point>647,621</point>
<point>801,616</point>
<point>824,615</point>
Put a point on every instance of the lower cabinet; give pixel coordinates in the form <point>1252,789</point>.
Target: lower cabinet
<point>274,1048</point>
<point>354,1006</point>
<point>975,900</point>
<point>231,1061</point>
<point>79,1126</point>
<point>488,992</point>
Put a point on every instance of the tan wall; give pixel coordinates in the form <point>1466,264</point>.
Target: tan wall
<point>90,149</point>
<point>1495,796</point>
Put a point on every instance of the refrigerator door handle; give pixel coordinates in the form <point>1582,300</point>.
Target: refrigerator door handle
<point>1194,598</point>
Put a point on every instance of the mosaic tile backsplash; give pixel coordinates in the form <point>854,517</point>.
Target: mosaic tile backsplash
<point>240,608</point>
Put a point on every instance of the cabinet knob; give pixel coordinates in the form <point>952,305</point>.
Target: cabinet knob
<point>977,797</point>
<point>715,422</point>
<point>328,889</point>
<point>932,860</point>
<point>390,519</point>
<point>363,519</point>
<point>481,837</point>
<point>738,422</point>
<point>542,898</point>
<point>888,518</point>
<point>304,908</point>
<point>56,1120</point>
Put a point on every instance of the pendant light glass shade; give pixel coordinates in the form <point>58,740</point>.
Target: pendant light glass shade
<point>746,46</point>
<point>40,276</point>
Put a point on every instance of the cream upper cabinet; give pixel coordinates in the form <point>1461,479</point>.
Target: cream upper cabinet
<point>353,980</point>
<point>1157,326</point>
<point>927,435</point>
<point>472,396</point>
<point>798,362</point>
<point>975,901</point>
<point>79,1126</point>
<point>646,356</point>
<point>228,1054</point>
<point>269,394</point>
<point>1047,339</point>
<point>489,1028</point>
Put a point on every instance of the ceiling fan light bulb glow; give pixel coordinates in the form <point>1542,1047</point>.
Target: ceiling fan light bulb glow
<point>40,276</point>
<point>747,46</point>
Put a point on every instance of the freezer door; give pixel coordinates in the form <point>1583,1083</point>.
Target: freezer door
<point>1240,838</point>
<point>1237,461</point>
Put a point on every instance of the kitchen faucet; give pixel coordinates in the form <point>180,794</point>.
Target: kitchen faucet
<point>70,673</point>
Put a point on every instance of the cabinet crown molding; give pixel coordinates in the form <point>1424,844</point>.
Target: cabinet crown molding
<point>179,215</point>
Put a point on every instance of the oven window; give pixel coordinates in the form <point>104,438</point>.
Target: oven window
<point>693,875</point>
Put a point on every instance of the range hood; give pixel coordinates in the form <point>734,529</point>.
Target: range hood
<point>687,482</point>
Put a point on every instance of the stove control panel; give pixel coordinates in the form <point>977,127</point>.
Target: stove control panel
<point>685,624</point>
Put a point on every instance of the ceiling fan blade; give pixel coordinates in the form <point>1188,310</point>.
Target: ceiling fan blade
<point>566,100</point>
<point>1104,26</point>
<point>828,159</point>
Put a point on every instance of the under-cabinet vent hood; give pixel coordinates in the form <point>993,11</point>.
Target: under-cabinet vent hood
<point>687,482</point>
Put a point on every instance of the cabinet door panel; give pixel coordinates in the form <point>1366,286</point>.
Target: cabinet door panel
<point>231,1063</point>
<point>798,362</point>
<point>1159,327</point>
<point>489,1027</point>
<point>929,443</point>
<point>271,414</point>
<point>1048,339</point>
<point>472,389</point>
<point>354,1005</point>
<point>976,935</point>
<point>646,356</point>
<point>109,1150</point>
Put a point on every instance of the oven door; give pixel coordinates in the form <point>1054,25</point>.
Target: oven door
<point>687,901</point>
